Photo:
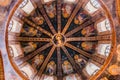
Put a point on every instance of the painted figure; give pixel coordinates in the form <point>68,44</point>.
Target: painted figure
<point>37,61</point>
<point>67,67</point>
<point>39,20</point>
<point>66,10</point>
<point>67,7</point>
<point>31,47</point>
<point>80,61</point>
<point>59,40</point>
<point>29,32</point>
<point>51,68</point>
<point>88,46</point>
<point>80,18</point>
<point>87,31</point>
<point>50,9</point>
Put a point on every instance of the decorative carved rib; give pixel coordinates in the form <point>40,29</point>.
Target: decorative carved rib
<point>59,3</point>
<point>42,10</point>
<point>26,58</point>
<point>95,38</point>
<point>85,24</point>
<point>104,37</point>
<point>77,8</point>
<point>59,64</point>
<point>81,39</point>
<point>36,26</point>
<point>46,62</point>
<point>75,66</point>
<point>31,39</point>
<point>78,50</point>
<point>100,60</point>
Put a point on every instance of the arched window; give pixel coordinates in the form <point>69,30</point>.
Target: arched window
<point>103,26</point>
<point>107,25</point>
<point>15,50</point>
<point>10,25</point>
<point>11,51</point>
<point>91,69</point>
<point>25,74</point>
<point>107,50</point>
<point>28,70</point>
<point>104,49</point>
<point>95,3</point>
<point>92,6</point>
<point>15,26</point>
<point>27,6</point>
<point>23,3</point>
<point>18,14</point>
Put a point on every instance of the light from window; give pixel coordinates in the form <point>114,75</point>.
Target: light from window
<point>104,26</point>
<point>15,26</point>
<point>107,50</point>
<point>104,49</point>
<point>27,6</point>
<point>107,24</point>
<point>92,6</point>
<point>28,70</point>
<point>23,3</point>
<point>10,25</point>
<point>15,50</point>
<point>95,3</point>
<point>91,69</point>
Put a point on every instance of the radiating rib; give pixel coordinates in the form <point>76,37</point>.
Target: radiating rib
<point>87,23</point>
<point>81,39</point>
<point>35,26</point>
<point>75,66</point>
<point>42,10</point>
<point>95,38</point>
<point>31,39</point>
<point>46,61</point>
<point>59,64</point>
<point>59,3</point>
<point>77,8</point>
<point>78,50</point>
<point>104,37</point>
<point>97,58</point>
<point>26,58</point>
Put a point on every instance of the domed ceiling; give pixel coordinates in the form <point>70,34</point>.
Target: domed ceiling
<point>59,39</point>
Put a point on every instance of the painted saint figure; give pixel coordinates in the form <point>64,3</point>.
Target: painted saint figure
<point>31,47</point>
<point>80,61</point>
<point>79,19</point>
<point>37,61</point>
<point>29,32</point>
<point>67,7</point>
<point>66,10</point>
<point>67,67</point>
<point>51,68</point>
<point>50,8</point>
<point>88,46</point>
<point>38,19</point>
<point>87,31</point>
<point>59,40</point>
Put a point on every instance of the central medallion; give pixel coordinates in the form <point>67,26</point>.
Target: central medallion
<point>58,39</point>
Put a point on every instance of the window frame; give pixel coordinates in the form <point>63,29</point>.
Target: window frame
<point>96,3</point>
